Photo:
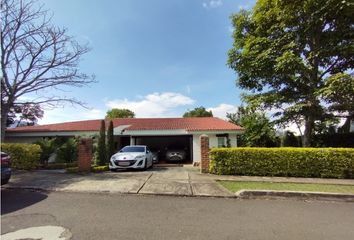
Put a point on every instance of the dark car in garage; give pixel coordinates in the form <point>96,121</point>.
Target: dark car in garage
<point>176,154</point>
<point>5,168</point>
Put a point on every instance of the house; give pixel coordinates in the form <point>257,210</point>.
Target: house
<point>157,133</point>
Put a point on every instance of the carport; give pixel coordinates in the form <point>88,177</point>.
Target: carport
<point>161,144</point>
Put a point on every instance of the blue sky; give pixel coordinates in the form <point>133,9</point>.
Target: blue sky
<point>157,58</point>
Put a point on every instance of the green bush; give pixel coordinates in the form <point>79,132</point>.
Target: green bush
<point>48,147</point>
<point>23,156</point>
<point>286,162</point>
<point>94,169</point>
<point>99,168</point>
<point>68,152</point>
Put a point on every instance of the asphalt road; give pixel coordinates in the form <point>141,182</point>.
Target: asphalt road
<point>114,216</point>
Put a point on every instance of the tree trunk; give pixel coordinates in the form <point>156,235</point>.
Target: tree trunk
<point>4,112</point>
<point>309,124</point>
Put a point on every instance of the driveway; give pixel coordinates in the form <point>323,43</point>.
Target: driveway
<point>183,181</point>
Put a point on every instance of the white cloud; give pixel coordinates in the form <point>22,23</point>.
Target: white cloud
<point>153,105</point>
<point>221,110</point>
<point>212,4</point>
<point>68,114</point>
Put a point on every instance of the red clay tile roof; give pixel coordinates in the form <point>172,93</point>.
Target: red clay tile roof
<point>189,124</point>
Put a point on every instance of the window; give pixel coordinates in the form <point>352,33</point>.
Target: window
<point>132,149</point>
<point>221,142</point>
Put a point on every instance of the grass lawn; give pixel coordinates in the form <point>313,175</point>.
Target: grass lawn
<point>235,186</point>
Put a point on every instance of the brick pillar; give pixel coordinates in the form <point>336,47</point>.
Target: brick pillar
<point>204,148</point>
<point>85,154</point>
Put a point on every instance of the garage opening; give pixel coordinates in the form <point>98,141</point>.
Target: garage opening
<point>167,148</point>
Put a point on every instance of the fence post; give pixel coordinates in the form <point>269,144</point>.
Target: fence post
<point>85,154</point>
<point>204,148</point>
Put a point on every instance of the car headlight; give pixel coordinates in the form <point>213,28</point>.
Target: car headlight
<point>113,158</point>
<point>139,156</point>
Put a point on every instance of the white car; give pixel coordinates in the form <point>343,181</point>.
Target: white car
<point>137,157</point>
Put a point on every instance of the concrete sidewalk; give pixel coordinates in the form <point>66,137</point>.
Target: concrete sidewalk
<point>181,181</point>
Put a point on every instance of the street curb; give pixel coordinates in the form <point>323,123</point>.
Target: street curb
<point>254,194</point>
<point>242,194</point>
<point>108,192</point>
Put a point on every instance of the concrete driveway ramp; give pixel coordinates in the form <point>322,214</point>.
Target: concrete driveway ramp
<point>169,188</point>
<point>210,189</point>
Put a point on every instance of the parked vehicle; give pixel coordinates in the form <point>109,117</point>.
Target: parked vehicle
<point>5,168</point>
<point>175,154</point>
<point>136,157</point>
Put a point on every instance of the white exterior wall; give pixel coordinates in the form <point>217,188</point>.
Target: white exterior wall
<point>213,143</point>
<point>196,148</point>
<point>233,140</point>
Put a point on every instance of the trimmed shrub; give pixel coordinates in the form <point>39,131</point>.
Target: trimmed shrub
<point>110,141</point>
<point>286,162</point>
<point>99,168</point>
<point>101,146</point>
<point>94,169</point>
<point>23,156</point>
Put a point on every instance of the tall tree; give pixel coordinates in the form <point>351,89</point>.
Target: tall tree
<point>35,56</point>
<point>198,112</point>
<point>119,113</point>
<point>259,131</point>
<point>338,92</point>
<point>110,140</point>
<point>101,147</point>
<point>285,50</point>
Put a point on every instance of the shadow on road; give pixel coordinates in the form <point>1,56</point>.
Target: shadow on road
<point>10,199</point>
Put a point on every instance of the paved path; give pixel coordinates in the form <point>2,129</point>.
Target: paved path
<point>184,181</point>
<point>126,216</point>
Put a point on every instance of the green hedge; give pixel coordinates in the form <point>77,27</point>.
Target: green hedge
<point>286,162</point>
<point>94,169</point>
<point>23,156</point>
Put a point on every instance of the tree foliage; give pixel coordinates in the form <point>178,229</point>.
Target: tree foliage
<point>36,56</point>
<point>119,113</point>
<point>24,115</point>
<point>259,131</point>
<point>101,147</point>
<point>285,51</point>
<point>338,92</point>
<point>198,112</point>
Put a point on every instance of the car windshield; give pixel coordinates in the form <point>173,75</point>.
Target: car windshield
<point>132,149</point>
